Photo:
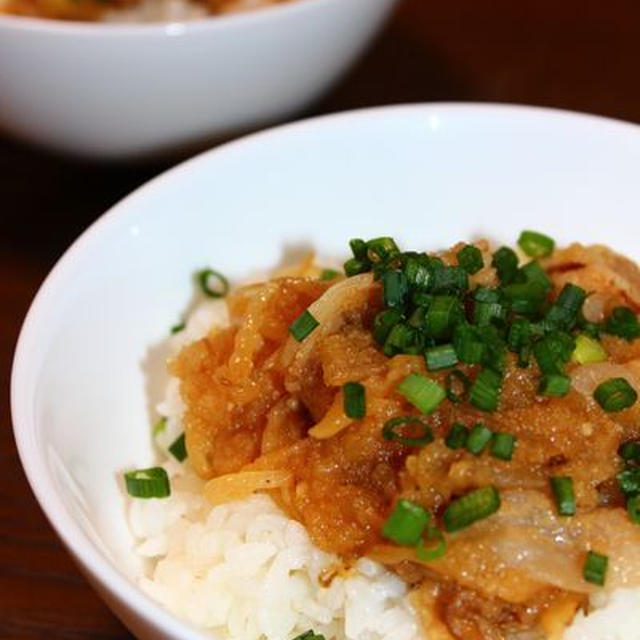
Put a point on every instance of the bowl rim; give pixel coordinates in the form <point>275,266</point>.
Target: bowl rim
<point>239,19</point>
<point>93,562</point>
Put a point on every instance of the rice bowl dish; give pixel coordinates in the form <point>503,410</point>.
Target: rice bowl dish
<point>240,566</point>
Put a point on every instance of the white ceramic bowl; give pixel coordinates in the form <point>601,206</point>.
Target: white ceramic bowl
<point>114,91</point>
<point>429,175</point>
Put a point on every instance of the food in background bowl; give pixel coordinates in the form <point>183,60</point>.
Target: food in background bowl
<point>128,10</point>
<point>443,444</point>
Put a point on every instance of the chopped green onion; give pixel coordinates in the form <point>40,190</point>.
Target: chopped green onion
<point>553,352</point>
<point>417,270</point>
<point>421,392</point>
<point>148,483</point>
<point>416,319</point>
<point>484,313</point>
<point>353,267</point>
<point>588,350</point>
<point>629,481</point>
<point>505,262</point>
<point>525,297</point>
<point>562,487</point>
<point>358,248</point>
<point>329,274</point>
<point>459,379</point>
<point>177,328</point>
<point>533,272</point>
<point>381,249</point>
<point>391,431</point>
<point>303,325</point>
<point>554,384</point>
<point>519,334</point>
<point>441,357</point>
<point>474,506</point>
<point>406,523</point>
<point>536,245</point>
<point>633,509</point>
<point>178,449</point>
<point>478,439</point>
<point>432,553</point>
<point>354,400</point>
<point>615,394</point>
<point>400,338</point>
<point>310,635</point>
<point>160,425</point>
<point>623,322</point>
<point>470,259</point>
<point>595,568</point>
<point>457,436</point>
<point>384,322</point>
<point>563,314</point>
<point>630,451</point>
<point>395,288</point>
<point>449,279</point>
<point>495,348</point>
<point>442,314</point>
<point>213,283</point>
<point>485,392</point>
<point>468,343</point>
<point>502,445</point>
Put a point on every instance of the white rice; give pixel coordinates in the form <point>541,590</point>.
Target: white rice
<point>245,571</point>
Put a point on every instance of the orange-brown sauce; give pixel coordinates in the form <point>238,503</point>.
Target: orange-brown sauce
<point>252,394</point>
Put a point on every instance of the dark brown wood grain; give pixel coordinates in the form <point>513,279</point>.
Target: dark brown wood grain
<point>572,54</point>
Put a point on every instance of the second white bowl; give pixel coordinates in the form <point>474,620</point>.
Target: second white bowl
<point>111,91</point>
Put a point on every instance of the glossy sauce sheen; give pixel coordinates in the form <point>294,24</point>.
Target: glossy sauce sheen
<point>252,394</point>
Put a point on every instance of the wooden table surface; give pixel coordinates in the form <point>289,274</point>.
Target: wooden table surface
<point>575,54</point>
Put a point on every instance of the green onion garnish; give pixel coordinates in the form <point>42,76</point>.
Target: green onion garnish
<point>353,267</point>
<point>148,483</point>
<point>488,307</point>
<point>629,451</point>
<point>457,436</point>
<point>563,314</point>
<point>406,523</point>
<point>177,328</point>
<point>623,322</point>
<point>457,386</point>
<point>400,338</point>
<point>449,279</point>
<point>310,635</point>
<point>434,552</point>
<point>485,391</point>
<point>213,283</point>
<point>629,481</point>
<point>329,274</point>
<point>160,425</point>
<point>421,392</point>
<point>533,272</point>
<point>502,445</point>
<point>179,449</point>
<point>358,248</point>
<point>505,262</point>
<point>588,350</point>
<point>381,249</point>
<point>468,343</point>
<point>395,288</point>
<point>441,357</point>
<point>442,314</point>
<point>384,322</point>
<point>474,506</point>
<point>633,509</point>
<point>562,488</point>
<point>354,400</point>
<point>536,245</point>
<point>554,384</point>
<point>478,439</point>
<point>553,352</point>
<point>418,272</point>
<point>595,568</point>
<point>391,431</point>
<point>470,259</point>
<point>615,394</point>
<point>303,325</point>
<point>519,334</point>
<point>525,297</point>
